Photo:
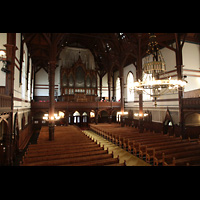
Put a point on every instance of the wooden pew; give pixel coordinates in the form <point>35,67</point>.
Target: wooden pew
<point>103,162</point>
<point>180,155</point>
<point>159,156</point>
<point>151,151</point>
<point>162,149</point>
<point>183,161</point>
<point>70,161</point>
<point>65,155</point>
<point>73,149</point>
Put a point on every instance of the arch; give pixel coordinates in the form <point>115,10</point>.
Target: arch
<point>146,96</point>
<point>76,113</point>
<point>130,81</point>
<point>192,119</point>
<point>85,117</point>
<point>129,58</point>
<point>115,66</point>
<point>168,124</point>
<point>118,89</point>
<point>16,127</point>
<point>76,117</point>
<point>103,116</point>
<point>15,135</point>
<point>3,131</point>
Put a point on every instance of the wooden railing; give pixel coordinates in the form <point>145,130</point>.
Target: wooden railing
<point>191,103</point>
<point>67,105</point>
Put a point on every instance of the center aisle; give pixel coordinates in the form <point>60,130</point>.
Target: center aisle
<point>130,159</point>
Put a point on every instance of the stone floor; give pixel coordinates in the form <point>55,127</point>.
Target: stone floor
<point>130,159</point>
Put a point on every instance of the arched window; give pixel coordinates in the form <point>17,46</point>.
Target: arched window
<point>23,83</point>
<point>118,89</point>
<point>146,96</point>
<point>130,93</point>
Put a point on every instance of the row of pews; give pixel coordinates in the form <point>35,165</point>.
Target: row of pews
<point>71,147</point>
<point>155,148</point>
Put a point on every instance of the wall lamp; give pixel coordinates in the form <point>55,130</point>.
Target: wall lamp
<point>4,61</point>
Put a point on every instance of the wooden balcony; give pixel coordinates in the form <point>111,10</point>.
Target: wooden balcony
<point>76,105</point>
<point>191,103</point>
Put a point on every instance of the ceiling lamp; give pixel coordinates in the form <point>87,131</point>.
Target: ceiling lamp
<point>155,65</point>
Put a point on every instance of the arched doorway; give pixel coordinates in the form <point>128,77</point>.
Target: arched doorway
<point>76,118</point>
<point>114,113</point>
<point>168,125</point>
<point>3,131</point>
<point>15,136</point>
<point>84,117</point>
<point>103,116</point>
<point>192,125</point>
<point>192,119</point>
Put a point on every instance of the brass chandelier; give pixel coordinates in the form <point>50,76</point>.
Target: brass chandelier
<point>156,86</point>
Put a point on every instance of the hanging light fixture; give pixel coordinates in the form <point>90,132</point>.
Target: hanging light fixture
<point>53,118</point>
<point>155,65</point>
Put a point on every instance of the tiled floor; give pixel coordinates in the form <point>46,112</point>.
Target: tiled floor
<point>130,159</point>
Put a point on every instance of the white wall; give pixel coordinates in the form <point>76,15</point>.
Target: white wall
<point>105,86</point>
<point>70,55</point>
<point>191,61</point>
<point>41,83</point>
<point>22,95</point>
<point>3,40</point>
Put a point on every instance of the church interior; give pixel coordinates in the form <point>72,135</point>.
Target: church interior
<point>99,99</point>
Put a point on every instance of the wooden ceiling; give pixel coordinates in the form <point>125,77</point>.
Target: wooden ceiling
<point>110,50</point>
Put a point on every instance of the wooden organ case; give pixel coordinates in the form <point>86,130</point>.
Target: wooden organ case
<point>78,84</point>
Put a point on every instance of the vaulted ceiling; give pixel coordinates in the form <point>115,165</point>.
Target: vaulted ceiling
<point>110,50</point>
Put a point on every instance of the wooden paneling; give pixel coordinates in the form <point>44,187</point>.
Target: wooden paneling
<point>2,89</point>
<point>24,136</point>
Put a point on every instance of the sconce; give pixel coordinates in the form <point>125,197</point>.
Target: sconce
<point>4,61</point>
